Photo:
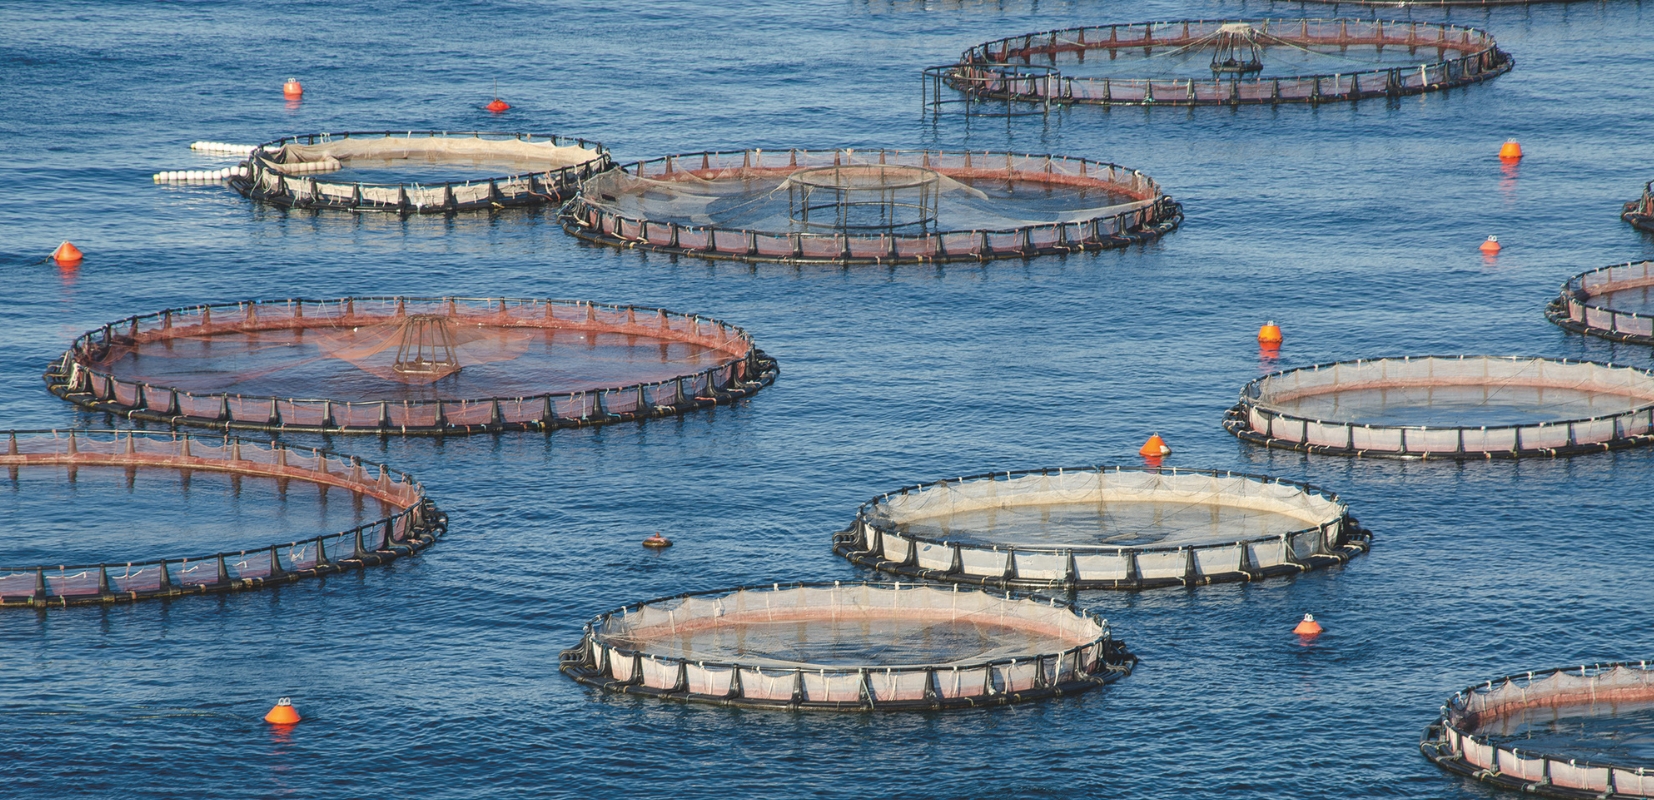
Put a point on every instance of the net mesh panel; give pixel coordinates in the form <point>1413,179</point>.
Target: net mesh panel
<point>747,205</point>
<point>354,365</point>
<point>1484,731</point>
<point>847,646</point>
<point>1102,527</point>
<point>531,169</point>
<point>414,525</point>
<point>1615,302</point>
<point>1449,405</point>
<point>1303,61</point>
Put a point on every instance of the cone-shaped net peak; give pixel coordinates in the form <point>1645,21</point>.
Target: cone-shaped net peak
<point>1238,49</point>
<point>858,193</point>
<point>410,349</point>
<point>852,626</point>
<point>1078,509</point>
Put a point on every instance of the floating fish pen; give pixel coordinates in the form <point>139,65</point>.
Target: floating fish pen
<point>1221,62</point>
<point>409,365</point>
<point>1457,407</point>
<point>418,172</point>
<point>1640,212</point>
<point>1614,302</point>
<point>870,207</point>
<point>1436,3</point>
<point>1576,732</point>
<point>849,647</point>
<point>170,493</point>
<point>1103,528</point>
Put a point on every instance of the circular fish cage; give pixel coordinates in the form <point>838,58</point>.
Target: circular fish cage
<point>92,510</point>
<point>849,647</point>
<point>1223,62</point>
<point>1455,407</point>
<point>869,207</point>
<point>1577,732</point>
<point>409,365</point>
<point>1640,212</point>
<point>418,172</point>
<point>1614,302</point>
<point>1103,528</point>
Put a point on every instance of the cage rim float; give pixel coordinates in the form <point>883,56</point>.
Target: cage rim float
<point>988,71</point>
<point>868,543</point>
<point>1573,308</point>
<point>1099,661</point>
<point>1639,213</point>
<point>416,526</point>
<point>1408,4</point>
<point>1146,219</point>
<point>1451,743</point>
<point>265,181</point>
<point>1252,423</point>
<point>728,381</point>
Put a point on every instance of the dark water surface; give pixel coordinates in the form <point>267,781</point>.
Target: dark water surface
<point>1354,227</point>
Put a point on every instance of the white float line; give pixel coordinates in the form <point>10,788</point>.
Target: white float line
<point>200,175</point>
<point>226,148</point>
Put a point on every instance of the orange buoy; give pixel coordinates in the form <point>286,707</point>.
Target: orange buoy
<point>292,89</point>
<point>1492,245</point>
<point>1510,151</point>
<point>657,542</point>
<point>67,255</point>
<point>1270,333</point>
<point>1155,447</point>
<point>498,106</point>
<point>1308,626</point>
<point>283,713</point>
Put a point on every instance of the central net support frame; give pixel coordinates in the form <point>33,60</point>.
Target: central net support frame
<point>1254,419</point>
<point>283,172</point>
<point>1454,742</point>
<point>1005,69</point>
<point>75,376</point>
<point>1578,307</point>
<point>609,658</point>
<point>417,525</point>
<point>876,540</point>
<point>1151,215</point>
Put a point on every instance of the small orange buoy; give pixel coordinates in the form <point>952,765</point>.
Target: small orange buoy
<point>67,255</point>
<point>1510,151</point>
<point>283,713</point>
<point>657,542</point>
<point>498,106</point>
<point>292,89</point>
<point>1491,246</point>
<point>1155,447</point>
<point>1308,626</point>
<point>1270,333</point>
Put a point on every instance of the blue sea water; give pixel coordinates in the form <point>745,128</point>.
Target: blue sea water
<point>1354,227</point>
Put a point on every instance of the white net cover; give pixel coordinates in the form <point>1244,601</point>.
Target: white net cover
<point>1097,508</point>
<point>391,159</point>
<point>1589,729</point>
<point>1451,404</point>
<point>850,627</point>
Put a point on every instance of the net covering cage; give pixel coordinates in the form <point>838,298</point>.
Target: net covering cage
<point>419,172</point>
<point>1567,732</point>
<point>1224,62</point>
<point>870,207</point>
<point>409,365</point>
<point>1615,302</point>
<point>1640,212</point>
<point>847,647</point>
<point>1449,407</point>
<point>1102,528</point>
<point>413,524</point>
